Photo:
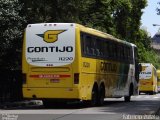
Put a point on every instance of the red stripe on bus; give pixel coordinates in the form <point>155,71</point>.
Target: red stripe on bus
<point>49,76</point>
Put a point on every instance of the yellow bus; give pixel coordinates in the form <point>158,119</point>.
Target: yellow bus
<point>67,61</point>
<point>158,80</point>
<point>148,79</point>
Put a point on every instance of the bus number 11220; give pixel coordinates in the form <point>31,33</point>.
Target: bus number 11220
<point>65,58</point>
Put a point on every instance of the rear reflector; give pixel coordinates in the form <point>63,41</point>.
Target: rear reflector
<point>24,77</point>
<point>76,78</point>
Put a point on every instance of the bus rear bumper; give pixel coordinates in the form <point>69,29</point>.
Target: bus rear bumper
<point>146,88</point>
<point>50,93</point>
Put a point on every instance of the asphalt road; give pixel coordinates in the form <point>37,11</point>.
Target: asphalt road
<point>141,107</point>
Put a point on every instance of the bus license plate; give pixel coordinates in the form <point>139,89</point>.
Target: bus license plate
<point>54,80</point>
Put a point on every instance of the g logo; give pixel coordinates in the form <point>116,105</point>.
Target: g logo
<point>51,36</point>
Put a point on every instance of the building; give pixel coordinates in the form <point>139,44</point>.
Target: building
<point>156,41</point>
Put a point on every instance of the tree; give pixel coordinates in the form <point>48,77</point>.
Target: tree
<point>10,33</point>
<point>127,16</point>
<point>158,9</point>
<point>98,14</point>
<point>53,10</point>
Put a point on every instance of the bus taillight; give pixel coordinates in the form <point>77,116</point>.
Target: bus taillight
<point>76,78</point>
<point>152,83</point>
<point>24,77</point>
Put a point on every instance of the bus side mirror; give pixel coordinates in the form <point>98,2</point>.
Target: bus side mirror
<point>140,67</point>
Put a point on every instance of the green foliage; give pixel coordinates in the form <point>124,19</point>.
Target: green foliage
<point>151,57</point>
<point>53,10</point>
<point>10,33</point>
<point>145,52</point>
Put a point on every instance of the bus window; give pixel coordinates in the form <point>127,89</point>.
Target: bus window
<point>88,41</point>
<point>115,50</point>
<point>106,49</point>
<point>110,49</point>
<point>93,46</point>
<point>99,47</point>
<point>83,44</point>
<point>121,52</point>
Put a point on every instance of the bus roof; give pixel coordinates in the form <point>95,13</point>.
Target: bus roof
<point>148,64</point>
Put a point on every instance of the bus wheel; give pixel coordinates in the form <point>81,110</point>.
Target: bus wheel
<point>94,100</point>
<point>101,95</point>
<point>151,93</point>
<point>128,98</point>
<point>47,103</point>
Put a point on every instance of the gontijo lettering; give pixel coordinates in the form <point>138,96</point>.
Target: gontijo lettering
<point>108,67</point>
<point>50,49</point>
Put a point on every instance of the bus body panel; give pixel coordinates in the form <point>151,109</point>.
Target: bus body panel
<point>158,80</point>
<point>51,93</point>
<point>49,63</point>
<point>50,78</point>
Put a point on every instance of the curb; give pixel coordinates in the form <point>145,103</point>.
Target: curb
<point>20,104</point>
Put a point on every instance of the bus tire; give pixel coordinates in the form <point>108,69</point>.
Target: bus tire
<point>101,95</point>
<point>47,103</point>
<point>94,97</point>
<point>151,93</point>
<point>128,98</point>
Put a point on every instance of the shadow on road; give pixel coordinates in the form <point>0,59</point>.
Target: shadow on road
<point>110,106</point>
